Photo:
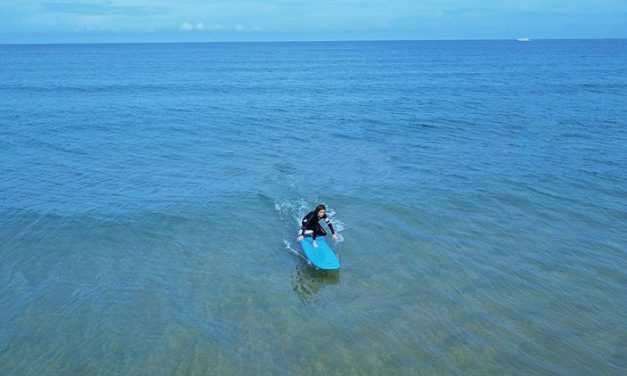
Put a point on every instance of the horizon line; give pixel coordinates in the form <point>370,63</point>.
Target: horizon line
<point>307,41</point>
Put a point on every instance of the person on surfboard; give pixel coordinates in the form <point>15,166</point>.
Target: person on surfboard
<point>311,223</point>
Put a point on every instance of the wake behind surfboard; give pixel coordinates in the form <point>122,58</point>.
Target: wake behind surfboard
<point>322,257</point>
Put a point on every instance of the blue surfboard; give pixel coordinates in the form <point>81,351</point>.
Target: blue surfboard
<point>322,257</point>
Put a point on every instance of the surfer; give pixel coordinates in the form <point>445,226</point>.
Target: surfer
<point>311,223</point>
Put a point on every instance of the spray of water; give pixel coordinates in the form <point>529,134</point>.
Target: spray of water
<point>288,246</point>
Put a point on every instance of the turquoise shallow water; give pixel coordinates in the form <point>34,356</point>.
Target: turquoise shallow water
<point>150,195</point>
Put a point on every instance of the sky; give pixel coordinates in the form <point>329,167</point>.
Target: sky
<point>93,21</point>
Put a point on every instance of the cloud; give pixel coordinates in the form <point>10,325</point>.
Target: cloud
<point>199,26</point>
<point>241,28</point>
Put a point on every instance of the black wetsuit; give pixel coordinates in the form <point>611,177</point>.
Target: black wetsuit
<point>312,222</point>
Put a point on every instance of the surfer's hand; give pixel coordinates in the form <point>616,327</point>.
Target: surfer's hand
<point>299,238</point>
<point>314,244</point>
<point>335,237</point>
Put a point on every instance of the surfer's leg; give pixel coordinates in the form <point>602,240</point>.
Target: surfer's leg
<point>319,231</point>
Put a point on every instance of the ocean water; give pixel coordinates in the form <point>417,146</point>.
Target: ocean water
<point>150,195</point>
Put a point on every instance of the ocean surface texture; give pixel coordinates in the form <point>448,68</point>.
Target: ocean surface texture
<point>150,195</point>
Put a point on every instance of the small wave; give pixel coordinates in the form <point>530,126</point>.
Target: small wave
<point>86,88</point>
<point>288,246</point>
<point>295,210</point>
<point>337,224</point>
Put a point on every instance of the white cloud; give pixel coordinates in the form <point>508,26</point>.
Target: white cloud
<point>241,27</point>
<point>199,26</point>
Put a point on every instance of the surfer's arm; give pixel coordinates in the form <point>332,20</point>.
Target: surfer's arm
<point>303,225</point>
<point>328,222</point>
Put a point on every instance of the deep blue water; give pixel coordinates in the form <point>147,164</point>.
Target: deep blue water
<point>150,195</point>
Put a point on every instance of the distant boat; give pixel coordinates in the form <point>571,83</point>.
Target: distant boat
<point>525,39</point>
